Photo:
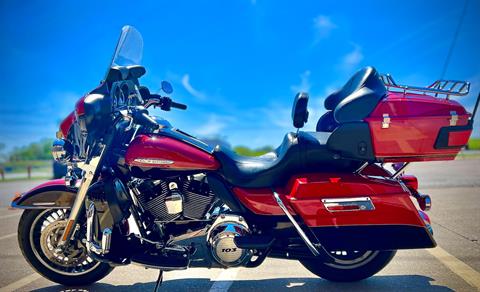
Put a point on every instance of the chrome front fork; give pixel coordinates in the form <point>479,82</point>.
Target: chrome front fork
<point>89,171</point>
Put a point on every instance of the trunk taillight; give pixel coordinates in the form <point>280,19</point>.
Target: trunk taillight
<point>410,181</point>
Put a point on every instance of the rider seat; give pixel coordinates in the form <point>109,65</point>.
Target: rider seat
<point>300,152</point>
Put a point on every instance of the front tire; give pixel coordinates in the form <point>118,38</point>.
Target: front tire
<point>350,266</point>
<point>38,231</point>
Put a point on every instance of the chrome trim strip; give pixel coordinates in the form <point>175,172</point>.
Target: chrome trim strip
<point>363,204</point>
<point>154,161</point>
<point>44,203</point>
<point>362,167</point>
<point>302,234</point>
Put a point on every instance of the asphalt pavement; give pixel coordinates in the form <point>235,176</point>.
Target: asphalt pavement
<point>454,265</point>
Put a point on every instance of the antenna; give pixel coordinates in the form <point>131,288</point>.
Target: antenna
<point>454,40</point>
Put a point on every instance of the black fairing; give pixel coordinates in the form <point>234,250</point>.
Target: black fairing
<point>124,73</point>
<point>97,114</point>
<point>117,198</point>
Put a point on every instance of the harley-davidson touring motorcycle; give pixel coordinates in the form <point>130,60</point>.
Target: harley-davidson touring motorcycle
<point>139,190</point>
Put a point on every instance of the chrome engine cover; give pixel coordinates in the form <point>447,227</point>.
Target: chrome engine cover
<point>221,236</point>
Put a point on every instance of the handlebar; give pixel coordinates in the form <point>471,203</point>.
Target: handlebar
<point>167,103</point>
<point>164,102</point>
<point>178,105</point>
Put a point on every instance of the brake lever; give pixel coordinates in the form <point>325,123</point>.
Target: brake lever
<point>152,101</point>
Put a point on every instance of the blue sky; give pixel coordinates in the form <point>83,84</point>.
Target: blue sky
<point>237,64</point>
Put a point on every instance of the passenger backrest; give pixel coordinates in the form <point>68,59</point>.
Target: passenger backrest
<point>358,97</point>
<point>360,79</point>
<point>357,106</point>
<point>299,110</point>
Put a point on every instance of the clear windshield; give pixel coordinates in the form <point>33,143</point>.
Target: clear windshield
<point>129,48</point>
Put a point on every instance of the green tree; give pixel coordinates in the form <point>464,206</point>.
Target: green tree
<point>3,156</point>
<point>243,150</point>
<point>34,151</point>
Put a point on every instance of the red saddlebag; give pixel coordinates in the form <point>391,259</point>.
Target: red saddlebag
<point>348,211</point>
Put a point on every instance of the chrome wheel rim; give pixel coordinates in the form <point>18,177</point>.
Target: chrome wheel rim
<point>45,232</point>
<point>344,259</point>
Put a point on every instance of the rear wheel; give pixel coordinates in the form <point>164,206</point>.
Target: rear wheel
<point>349,266</point>
<point>38,234</point>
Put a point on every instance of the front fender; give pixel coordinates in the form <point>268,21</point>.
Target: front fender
<point>50,194</point>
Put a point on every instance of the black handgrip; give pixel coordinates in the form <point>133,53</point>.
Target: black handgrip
<point>141,117</point>
<point>178,105</point>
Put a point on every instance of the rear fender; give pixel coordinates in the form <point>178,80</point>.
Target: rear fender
<point>51,194</point>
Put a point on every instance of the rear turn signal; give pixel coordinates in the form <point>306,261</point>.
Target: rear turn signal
<point>424,201</point>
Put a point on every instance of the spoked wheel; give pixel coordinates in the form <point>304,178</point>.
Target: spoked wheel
<point>349,266</point>
<point>39,232</point>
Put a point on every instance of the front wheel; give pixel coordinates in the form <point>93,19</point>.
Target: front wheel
<point>349,266</point>
<point>38,234</point>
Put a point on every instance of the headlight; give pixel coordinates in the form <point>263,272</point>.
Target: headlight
<point>61,150</point>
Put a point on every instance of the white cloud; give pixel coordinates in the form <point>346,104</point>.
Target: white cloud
<point>214,126</point>
<point>188,87</point>
<point>352,59</point>
<point>323,26</point>
<point>304,83</point>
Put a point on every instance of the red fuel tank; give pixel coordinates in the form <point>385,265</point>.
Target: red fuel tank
<point>156,151</point>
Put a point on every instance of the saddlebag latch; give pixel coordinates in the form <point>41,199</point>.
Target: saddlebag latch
<point>386,121</point>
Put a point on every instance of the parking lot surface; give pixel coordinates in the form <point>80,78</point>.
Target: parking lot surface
<point>454,265</point>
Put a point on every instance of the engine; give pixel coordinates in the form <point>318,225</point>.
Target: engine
<point>220,239</point>
<point>182,198</point>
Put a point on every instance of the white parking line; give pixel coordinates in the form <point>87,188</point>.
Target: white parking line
<point>11,215</point>
<point>224,280</point>
<point>8,236</point>
<point>21,283</point>
<point>463,270</point>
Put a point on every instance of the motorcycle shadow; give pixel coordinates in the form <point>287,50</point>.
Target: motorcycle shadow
<point>376,283</point>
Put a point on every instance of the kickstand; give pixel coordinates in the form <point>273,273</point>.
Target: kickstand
<point>159,281</point>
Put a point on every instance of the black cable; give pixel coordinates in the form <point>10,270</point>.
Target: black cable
<point>454,40</point>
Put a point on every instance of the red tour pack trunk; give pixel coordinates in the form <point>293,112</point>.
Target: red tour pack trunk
<point>416,127</point>
<point>411,125</point>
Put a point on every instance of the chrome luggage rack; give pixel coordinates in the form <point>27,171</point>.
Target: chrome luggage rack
<point>439,87</point>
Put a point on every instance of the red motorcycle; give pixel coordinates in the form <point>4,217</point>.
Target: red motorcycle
<point>140,191</point>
